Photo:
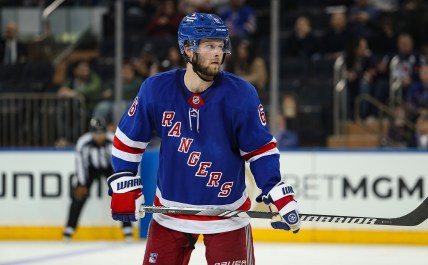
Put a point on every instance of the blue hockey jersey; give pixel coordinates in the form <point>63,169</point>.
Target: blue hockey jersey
<point>206,139</point>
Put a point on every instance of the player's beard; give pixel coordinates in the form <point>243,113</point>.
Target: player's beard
<point>207,71</point>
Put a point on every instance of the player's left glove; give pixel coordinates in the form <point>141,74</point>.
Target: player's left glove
<point>126,193</point>
<point>282,196</point>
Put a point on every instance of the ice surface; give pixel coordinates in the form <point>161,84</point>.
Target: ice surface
<point>121,253</point>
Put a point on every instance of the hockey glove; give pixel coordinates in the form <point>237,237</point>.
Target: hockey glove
<point>126,193</point>
<point>282,196</point>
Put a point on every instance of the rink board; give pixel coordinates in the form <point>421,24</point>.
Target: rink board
<point>35,195</point>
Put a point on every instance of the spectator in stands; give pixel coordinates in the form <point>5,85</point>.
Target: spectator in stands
<point>190,6</point>
<point>144,8</point>
<point>173,61</point>
<point>406,71</point>
<point>302,43</point>
<point>362,18</point>
<point>385,6</point>
<point>420,139</point>
<point>147,64</point>
<point>417,96</point>
<point>240,19</point>
<point>12,51</point>
<point>166,21</point>
<point>335,37</point>
<point>385,37</point>
<point>246,64</point>
<point>360,73</point>
<point>83,83</point>
<point>289,110</point>
<point>285,138</point>
<point>137,14</point>
<point>412,18</point>
<point>399,133</point>
<point>130,86</point>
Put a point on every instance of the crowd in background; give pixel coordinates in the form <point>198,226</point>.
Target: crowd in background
<point>366,33</point>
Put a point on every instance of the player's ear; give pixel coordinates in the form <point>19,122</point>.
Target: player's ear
<point>188,52</point>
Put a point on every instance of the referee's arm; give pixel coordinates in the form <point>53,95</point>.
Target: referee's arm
<point>81,165</point>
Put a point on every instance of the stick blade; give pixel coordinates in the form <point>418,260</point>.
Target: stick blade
<point>415,217</point>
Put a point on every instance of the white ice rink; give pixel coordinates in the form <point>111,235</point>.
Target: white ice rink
<point>118,253</point>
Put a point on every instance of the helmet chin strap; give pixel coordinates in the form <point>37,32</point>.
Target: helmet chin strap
<point>196,69</point>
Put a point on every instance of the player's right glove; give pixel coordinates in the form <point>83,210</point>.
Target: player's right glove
<point>282,196</point>
<point>126,193</point>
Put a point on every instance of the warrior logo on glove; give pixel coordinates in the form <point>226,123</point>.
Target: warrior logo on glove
<point>126,194</point>
<point>128,184</point>
<point>287,190</point>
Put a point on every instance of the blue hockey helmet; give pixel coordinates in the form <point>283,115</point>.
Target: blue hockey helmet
<point>197,26</point>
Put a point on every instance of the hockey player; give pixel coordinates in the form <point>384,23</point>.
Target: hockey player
<point>93,161</point>
<point>211,123</point>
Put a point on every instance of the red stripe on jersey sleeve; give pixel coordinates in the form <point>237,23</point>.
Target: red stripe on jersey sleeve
<point>244,207</point>
<point>125,148</point>
<point>259,151</point>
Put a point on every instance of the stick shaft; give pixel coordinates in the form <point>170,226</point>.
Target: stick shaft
<point>417,216</point>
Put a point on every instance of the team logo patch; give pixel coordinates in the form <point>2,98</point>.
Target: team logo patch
<point>195,100</point>
<point>153,257</point>
<point>133,107</point>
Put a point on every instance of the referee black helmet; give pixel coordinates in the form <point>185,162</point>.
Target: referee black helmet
<point>97,125</point>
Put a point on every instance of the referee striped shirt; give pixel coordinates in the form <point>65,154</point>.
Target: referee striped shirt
<point>90,155</point>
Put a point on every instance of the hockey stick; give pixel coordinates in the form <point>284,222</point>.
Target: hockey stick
<point>413,218</point>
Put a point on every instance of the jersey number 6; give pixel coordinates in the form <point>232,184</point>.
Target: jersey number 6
<point>133,107</point>
<point>262,115</point>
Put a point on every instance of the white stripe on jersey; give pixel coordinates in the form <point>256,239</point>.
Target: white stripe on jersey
<point>131,143</point>
<point>126,156</point>
<point>267,153</point>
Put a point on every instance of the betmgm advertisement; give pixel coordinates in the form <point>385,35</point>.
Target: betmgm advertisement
<point>35,190</point>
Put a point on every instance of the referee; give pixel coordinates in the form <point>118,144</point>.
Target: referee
<point>93,161</point>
